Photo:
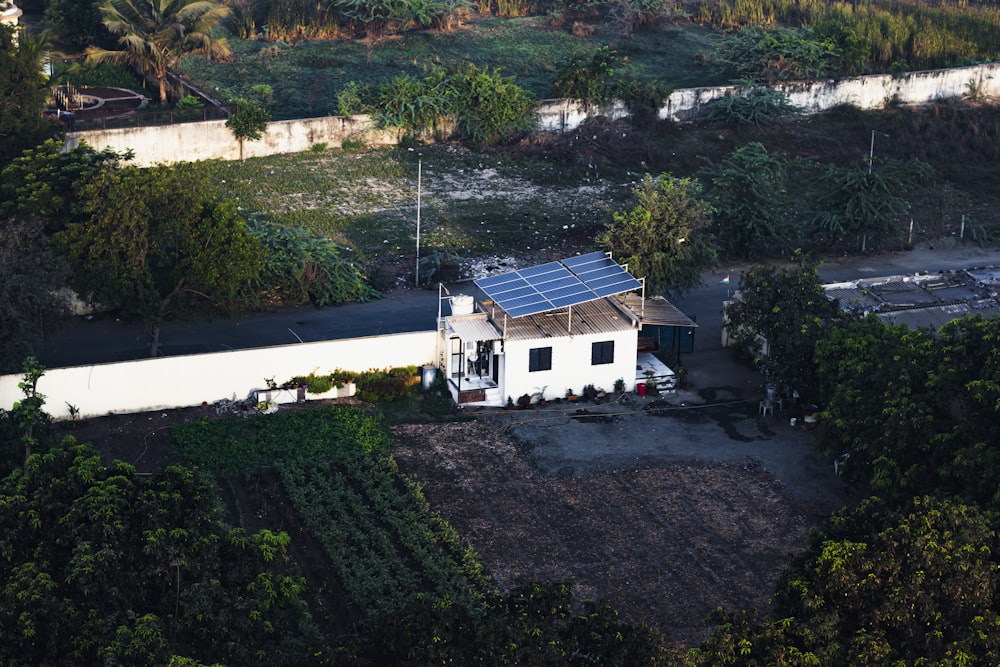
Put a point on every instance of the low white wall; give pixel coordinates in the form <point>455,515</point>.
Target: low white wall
<point>212,140</point>
<point>174,382</point>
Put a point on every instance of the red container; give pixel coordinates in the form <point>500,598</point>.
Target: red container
<point>640,388</point>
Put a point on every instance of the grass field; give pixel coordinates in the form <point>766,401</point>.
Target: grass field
<point>306,77</point>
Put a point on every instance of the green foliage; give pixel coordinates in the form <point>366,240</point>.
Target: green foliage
<point>864,200</point>
<point>154,35</point>
<point>22,94</point>
<point>910,586</point>
<point>248,121</point>
<point>749,192</point>
<point>26,429</point>
<point>156,243</point>
<point>391,384</point>
<point>380,18</point>
<point>666,238</point>
<point>320,384</point>
<point>915,411</point>
<point>588,79</point>
<point>43,181</point>
<point>33,302</point>
<point>777,54</point>
<point>189,102</point>
<point>536,624</point>
<point>108,74</point>
<point>103,566</point>
<point>367,513</point>
<point>485,107</point>
<point>234,446</point>
<point>300,267</point>
<point>753,105</point>
<point>787,308</point>
<point>77,22</point>
<point>879,33</point>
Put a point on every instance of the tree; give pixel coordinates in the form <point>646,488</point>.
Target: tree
<point>33,299</point>
<point>43,181</point>
<point>880,586</point>
<point>22,93</point>
<point>787,308</point>
<point>157,244</point>
<point>248,121</point>
<point>666,237</point>
<point>154,35</point>
<point>76,21</point>
<point>748,189</point>
<point>865,201</point>
<point>102,566</point>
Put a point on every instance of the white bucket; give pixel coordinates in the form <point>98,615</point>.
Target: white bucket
<point>793,421</point>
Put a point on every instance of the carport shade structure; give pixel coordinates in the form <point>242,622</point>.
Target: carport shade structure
<point>554,285</point>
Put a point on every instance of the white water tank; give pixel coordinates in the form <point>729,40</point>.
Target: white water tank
<point>462,304</point>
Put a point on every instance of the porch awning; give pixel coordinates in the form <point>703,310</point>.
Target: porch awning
<point>473,328</point>
<point>658,312</point>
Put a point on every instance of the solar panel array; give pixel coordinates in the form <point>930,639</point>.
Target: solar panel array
<point>558,284</point>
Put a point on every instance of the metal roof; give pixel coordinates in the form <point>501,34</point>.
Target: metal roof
<point>657,311</point>
<point>922,301</point>
<point>555,285</point>
<point>473,327</point>
<point>592,317</point>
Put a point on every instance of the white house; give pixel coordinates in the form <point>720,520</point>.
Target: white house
<point>544,330</point>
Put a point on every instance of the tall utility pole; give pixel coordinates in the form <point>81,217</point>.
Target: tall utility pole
<point>416,271</point>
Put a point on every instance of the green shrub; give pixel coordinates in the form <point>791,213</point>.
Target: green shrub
<point>756,105</point>
<point>376,386</point>
<point>189,102</point>
<point>318,147</point>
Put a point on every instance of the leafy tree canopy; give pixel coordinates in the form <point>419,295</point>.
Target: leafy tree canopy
<point>157,244</point>
<point>666,237</point>
<point>248,121</point>
<point>42,182</point>
<point>867,200</point>
<point>748,189</point>
<point>916,411</point>
<point>154,35</point>
<point>22,94</point>
<point>103,567</point>
<point>911,586</point>
<point>787,308</point>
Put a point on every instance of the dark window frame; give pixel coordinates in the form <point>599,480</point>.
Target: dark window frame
<point>539,359</point>
<point>602,352</point>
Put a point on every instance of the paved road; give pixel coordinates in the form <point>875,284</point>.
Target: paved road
<point>103,338</point>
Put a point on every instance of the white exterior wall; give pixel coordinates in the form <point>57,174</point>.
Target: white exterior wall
<point>212,140</point>
<point>174,382</point>
<point>207,140</point>
<point>571,368</point>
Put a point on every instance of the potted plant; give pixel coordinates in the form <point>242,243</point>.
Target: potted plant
<point>620,386</point>
<point>570,396</point>
<point>523,401</point>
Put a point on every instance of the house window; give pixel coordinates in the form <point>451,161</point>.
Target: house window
<point>602,353</point>
<point>540,359</point>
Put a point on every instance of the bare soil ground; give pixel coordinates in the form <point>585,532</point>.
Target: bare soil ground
<point>665,515</point>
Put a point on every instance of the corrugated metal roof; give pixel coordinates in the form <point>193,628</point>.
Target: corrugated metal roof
<point>657,311</point>
<point>472,327</point>
<point>593,317</point>
<point>935,317</point>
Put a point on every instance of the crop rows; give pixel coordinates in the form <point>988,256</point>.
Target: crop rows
<point>386,546</point>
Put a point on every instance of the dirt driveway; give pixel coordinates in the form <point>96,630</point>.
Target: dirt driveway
<point>665,507</point>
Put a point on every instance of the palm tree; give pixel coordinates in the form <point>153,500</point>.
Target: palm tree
<point>156,34</point>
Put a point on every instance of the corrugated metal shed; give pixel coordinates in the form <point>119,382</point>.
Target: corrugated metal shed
<point>593,317</point>
<point>657,311</point>
<point>924,301</point>
<point>935,317</point>
<point>473,327</point>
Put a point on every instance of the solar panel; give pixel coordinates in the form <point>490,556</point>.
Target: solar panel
<point>554,285</point>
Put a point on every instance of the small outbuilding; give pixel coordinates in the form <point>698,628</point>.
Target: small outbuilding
<point>543,332</point>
